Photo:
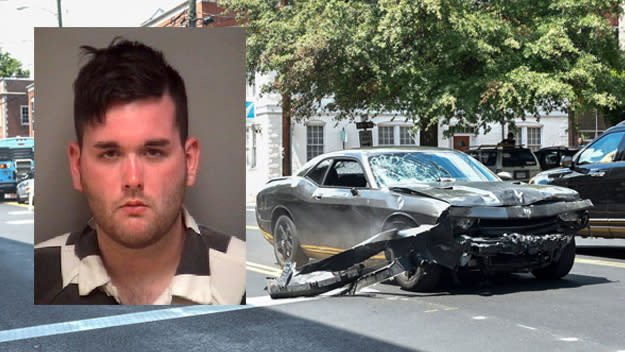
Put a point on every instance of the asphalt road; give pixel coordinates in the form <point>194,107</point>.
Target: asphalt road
<point>583,312</point>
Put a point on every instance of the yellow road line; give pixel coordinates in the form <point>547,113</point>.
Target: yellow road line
<point>263,269</point>
<point>600,262</point>
<point>18,204</point>
<point>252,227</point>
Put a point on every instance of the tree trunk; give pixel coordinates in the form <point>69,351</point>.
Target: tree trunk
<point>286,135</point>
<point>429,137</point>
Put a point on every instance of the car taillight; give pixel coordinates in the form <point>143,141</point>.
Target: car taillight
<point>4,166</point>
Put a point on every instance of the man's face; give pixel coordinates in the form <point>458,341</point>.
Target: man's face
<point>133,171</point>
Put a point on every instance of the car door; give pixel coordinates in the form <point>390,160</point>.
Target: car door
<point>342,205</point>
<point>594,178</point>
<point>615,193</point>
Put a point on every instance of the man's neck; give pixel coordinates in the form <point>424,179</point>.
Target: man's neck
<point>142,275</point>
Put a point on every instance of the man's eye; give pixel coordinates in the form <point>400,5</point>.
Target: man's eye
<point>109,154</point>
<point>154,153</point>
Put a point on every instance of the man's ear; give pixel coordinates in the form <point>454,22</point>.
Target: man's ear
<point>73,155</point>
<point>192,156</point>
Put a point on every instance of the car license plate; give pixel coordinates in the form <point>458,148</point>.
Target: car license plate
<point>520,174</point>
<point>10,195</point>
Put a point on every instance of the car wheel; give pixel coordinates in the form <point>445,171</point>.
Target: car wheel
<point>286,246</point>
<point>559,268</point>
<point>424,277</point>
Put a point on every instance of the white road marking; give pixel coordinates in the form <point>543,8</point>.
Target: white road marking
<point>569,339</point>
<point>267,301</point>
<point>112,321</point>
<point>20,222</point>
<point>20,212</point>
<point>479,317</point>
<point>526,327</point>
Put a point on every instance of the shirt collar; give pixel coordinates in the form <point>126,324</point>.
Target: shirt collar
<point>89,273</point>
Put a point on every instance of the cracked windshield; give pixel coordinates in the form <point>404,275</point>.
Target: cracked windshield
<point>418,167</point>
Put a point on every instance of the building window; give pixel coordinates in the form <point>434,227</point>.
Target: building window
<point>533,138</point>
<point>24,114</point>
<point>405,137</point>
<point>386,135</point>
<point>250,146</point>
<point>314,141</point>
<point>32,112</point>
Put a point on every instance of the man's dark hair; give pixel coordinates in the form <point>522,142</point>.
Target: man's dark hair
<point>124,72</point>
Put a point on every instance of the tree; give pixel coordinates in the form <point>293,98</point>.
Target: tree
<point>436,61</point>
<point>10,67</point>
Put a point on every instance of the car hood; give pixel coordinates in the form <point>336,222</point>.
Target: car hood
<point>489,193</point>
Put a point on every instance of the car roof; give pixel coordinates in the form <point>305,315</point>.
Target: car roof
<point>385,149</point>
<point>618,127</point>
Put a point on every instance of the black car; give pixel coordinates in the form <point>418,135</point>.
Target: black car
<point>341,199</point>
<point>550,157</point>
<point>597,172</point>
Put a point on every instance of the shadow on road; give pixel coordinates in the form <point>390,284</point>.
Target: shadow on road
<point>614,252</point>
<point>505,284</point>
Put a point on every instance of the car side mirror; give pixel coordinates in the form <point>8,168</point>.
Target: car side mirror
<point>504,176</point>
<point>567,161</point>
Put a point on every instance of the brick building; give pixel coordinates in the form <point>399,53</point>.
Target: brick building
<point>14,107</point>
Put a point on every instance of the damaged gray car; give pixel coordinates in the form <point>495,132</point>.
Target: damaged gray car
<point>411,213</point>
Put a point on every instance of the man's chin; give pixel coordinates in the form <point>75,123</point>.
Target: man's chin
<point>135,234</point>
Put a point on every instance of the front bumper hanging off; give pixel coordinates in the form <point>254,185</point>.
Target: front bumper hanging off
<point>409,248</point>
<point>425,243</point>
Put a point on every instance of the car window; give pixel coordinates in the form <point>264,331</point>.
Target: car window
<point>486,157</point>
<point>517,158</point>
<point>317,172</point>
<point>346,173</point>
<point>602,150</point>
<point>551,159</point>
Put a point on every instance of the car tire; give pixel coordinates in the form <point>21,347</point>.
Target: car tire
<point>423,278</point>
<point>286,245</point>
<point>559,268</point>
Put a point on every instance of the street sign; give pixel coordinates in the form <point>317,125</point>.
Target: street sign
<point>249,110</point>
<point>364,125</point>
<point>366,138</point>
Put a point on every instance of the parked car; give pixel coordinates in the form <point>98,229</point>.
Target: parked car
<point>550,157</point>
<point>343,198</point>
<point>26,186</point>
<point>597,172</point>
<point>519,162</point>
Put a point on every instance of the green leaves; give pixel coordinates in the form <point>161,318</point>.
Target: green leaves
<point>10,67</point>
<point>436,60</point>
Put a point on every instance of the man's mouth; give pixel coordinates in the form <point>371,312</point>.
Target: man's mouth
<point>134,207</point>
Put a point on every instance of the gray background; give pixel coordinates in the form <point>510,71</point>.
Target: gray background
<point>212,64</point>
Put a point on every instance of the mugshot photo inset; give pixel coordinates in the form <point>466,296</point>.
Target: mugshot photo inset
<point>139,150</point>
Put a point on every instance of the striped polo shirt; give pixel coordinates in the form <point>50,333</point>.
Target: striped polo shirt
<point>69,269</point>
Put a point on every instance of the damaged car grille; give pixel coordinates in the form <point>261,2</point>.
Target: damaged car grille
<point>497,227</point>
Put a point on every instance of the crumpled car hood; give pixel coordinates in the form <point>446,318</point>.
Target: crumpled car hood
<point>490,193</point>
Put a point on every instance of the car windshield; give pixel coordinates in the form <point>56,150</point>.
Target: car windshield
<point>423,167</point>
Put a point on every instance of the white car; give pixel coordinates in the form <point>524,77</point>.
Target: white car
<point>24,189</point>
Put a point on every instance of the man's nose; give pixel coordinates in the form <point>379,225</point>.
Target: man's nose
<point>133,175</point>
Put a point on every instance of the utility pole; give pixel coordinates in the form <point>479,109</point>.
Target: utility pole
<point>59,13</point>
<point>192,13</point>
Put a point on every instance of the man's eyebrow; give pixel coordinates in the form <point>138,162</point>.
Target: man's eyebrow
<point>106,145</point>
<point>157,143</point>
